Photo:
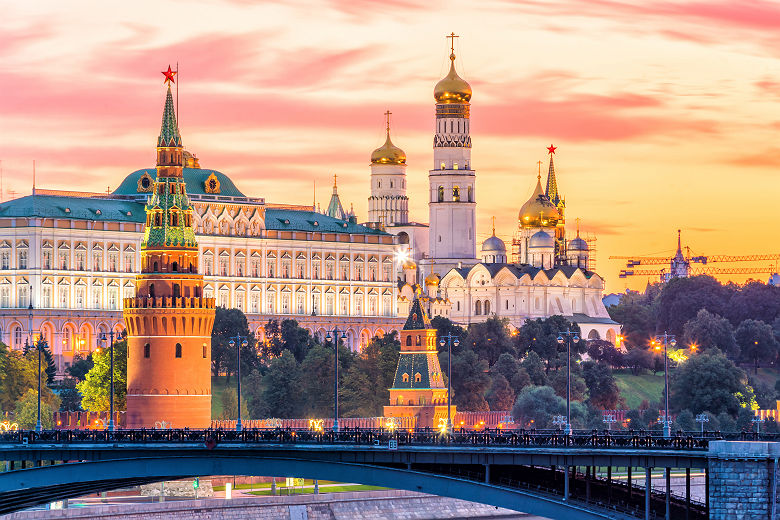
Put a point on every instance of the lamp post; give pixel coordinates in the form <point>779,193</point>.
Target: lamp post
<point>570,336</point>
<point>668,340</point>
<point>238,341</point>
<point>702,418</point>
<point>449,340</point>
<point>38,426</point>
<point>335,338</point>
<point>609,419</point>
<point>110,337</point>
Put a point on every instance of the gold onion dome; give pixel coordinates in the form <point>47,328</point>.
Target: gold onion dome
<point>538,211</point>
<point>432,279</point>
<point>388,153</point>
<point>453,88</point>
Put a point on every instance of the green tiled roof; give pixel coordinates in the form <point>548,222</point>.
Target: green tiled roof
<point>417,319</point>
<point>169,130</point>
<point>412,364</point>
<point>81,208</point>
<point>194,177</point>
<point>284,219</point>
<point>170,203</point>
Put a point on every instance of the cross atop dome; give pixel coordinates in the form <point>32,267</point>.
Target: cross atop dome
<point>452,37</point>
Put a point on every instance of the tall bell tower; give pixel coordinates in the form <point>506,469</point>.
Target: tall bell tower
<point>169,321</point>
<point>452,197</point>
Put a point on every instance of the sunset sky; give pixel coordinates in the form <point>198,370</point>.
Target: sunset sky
<point>665,114</point>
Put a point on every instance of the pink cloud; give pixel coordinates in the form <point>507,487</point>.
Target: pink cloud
<point>13,39</point>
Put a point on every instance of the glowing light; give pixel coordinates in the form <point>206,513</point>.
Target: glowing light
<point>391,425</point>
<point>316,425</point>
<point>442,425</point>
<point>401,256</point>
<point>7,426</point>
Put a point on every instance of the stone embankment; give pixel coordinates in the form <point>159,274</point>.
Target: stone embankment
<point>371,505</point>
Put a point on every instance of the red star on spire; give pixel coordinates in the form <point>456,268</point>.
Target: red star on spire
<point>550,149</point>
<point>169,74</point>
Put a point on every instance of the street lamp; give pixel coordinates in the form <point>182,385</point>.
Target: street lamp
<point>702,418</point>
<point>757,421</point>
<point>559,420</point>
<point>38,426</point>
<point>335,338</point>
<point>668,340</point>
<point>110,337</point>
<point>609,419</point>
<point>570,336</point>
<point>238,341</point>
<point>449,340</point>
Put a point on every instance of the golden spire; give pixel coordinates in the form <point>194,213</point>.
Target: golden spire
<point>577,220</point>
<point>494,225</point>
<point>387,117</point>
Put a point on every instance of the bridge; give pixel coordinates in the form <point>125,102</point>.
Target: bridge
<point>544,473</point>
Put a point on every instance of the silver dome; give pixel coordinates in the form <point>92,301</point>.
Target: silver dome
<point>541,239</point>
<point>578,244</point>
<point>492,244</point>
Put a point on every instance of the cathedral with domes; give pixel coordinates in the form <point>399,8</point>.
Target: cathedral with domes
<point>544,274</point>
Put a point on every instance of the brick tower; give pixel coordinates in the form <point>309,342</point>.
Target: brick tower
<point>169,321</point>
<point>418,389</point>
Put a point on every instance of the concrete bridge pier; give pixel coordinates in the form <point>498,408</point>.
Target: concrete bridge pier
<point>743,480</point>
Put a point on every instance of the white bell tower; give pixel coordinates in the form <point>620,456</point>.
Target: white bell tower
<point>452,196</point>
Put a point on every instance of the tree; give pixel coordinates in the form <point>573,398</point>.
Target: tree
<point>317,381</point>
<point>252,387</point>
<point>229,323</point>
<point>708,330</point>
<point>95,390</point>
<point>490,339</point>
<point>18,373</point>
<point>535,369</point>
<point>27,409</point>
<point>515,374</point>
<point>756,341</point>
<point>637,314</point>
<point>80,366</point>
<point>230,405</point>
<point>296,339</point>
<point>603,392</point>
<point>682,298</point>
<point>578,387</point>
<point>470,382</point>
<point>604,352</point>
<point>754,300</point>
<point>282,387</point>
<point>500,396</point>
<point>71,399</point>
<point>709,381</point>
<point>444,326</point>
<point>536,406</point>
<point>684,422</point>
<point>638,359</point>
<point>47,360</point>
<point>541,336</point>
<point>364,391</point>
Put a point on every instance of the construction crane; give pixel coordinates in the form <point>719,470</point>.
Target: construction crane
<point>680,265</point>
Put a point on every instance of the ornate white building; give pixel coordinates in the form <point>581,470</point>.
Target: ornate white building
<point>67,259</point>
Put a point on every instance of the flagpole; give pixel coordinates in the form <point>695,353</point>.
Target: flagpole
<point>178,114</point>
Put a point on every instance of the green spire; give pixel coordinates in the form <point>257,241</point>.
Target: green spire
<point>552,184</point>
<point>169,132</point>
<point>417,319</point>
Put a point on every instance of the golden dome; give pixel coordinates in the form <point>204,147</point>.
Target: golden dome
<point>388,153</point>
<point>409,264</point>
<point>538,211</point>
<point>453,88</point>
<point>432,279</point>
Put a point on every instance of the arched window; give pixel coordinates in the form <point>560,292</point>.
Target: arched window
<point>478,308</point>
<point>205,351</point>
<point>441,193</point>
<point>417,377</point>
<point>156,267</point>
<point>408,341</point>
<point>456,193</point>
<point>487,307</point>
<point>405,377</point>
<point>418,342</point>
<point>471,193</point>
<point>147,350</point>
<point>151,290</point>
<point>400,400</point>
<point>176,290</point>
<point>178,350</point>
<point>175,267</point>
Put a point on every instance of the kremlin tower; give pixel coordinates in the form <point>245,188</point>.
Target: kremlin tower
<point>452,199</point>
<point>418,389</point>
<point>169,321</point>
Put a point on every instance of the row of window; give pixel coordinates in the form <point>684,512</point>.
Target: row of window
<point>286,268</point>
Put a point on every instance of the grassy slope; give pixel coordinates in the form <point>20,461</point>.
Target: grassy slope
<point>217,387</point>
<point>635,389</point>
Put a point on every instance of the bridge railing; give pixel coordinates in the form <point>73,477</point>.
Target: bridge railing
<point>374,436</point>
